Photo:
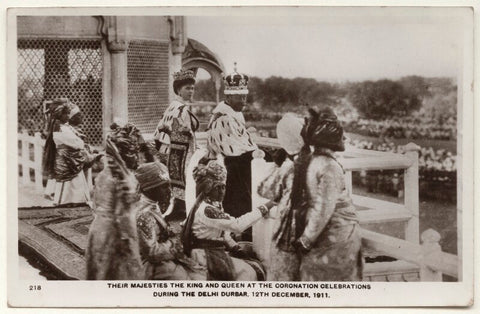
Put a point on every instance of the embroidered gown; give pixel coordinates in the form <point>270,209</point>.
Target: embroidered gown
<point>176,134</point>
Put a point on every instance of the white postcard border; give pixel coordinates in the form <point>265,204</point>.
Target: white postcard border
<point>86,294</point>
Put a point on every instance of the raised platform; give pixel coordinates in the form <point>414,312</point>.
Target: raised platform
<point>58,237</point>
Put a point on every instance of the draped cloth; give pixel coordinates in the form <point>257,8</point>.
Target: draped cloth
<point>68,163</point>
<point>227,132</point>
<point>71,158</point>
<point>219,264</point>
<point>112,249</point>
<point>48,162</point>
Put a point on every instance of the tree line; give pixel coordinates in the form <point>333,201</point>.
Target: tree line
<point>377,100</point>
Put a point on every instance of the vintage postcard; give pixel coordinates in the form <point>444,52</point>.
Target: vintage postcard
<point>231,156</point>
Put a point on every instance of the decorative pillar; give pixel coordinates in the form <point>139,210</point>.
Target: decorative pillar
<point>117,45</point>
<point>178,43</point>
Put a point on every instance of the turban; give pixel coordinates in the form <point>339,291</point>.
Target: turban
<point>288,133</point>
<point>126,138</point>
<point>59,109</point>
<point>323,129</point>
<point>207,176</point>
<point>151,175</point>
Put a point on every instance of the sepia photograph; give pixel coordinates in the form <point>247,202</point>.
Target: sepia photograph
<point>258,156</point>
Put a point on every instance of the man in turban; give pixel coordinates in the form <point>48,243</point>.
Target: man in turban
<point>160,249</point>
<point>322,225</point>
<point>112,249</point>
<point>283,264</point>
<point>207,232</point>
<point>71,157</point>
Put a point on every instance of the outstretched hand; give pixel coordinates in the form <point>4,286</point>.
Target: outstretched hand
<point>270,204</point>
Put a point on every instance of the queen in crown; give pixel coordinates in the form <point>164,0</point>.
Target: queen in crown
<point>175,134</point>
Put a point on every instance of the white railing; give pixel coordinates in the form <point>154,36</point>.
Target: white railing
<point>427,256</point>
<point>354,159</point>
<point>31,154</point>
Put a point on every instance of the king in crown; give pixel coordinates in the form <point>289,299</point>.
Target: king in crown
<point>235,83</point>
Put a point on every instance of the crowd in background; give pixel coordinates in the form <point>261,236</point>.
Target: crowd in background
<point>437,172</point>
<point>420,126</point>
<point>406,127</point>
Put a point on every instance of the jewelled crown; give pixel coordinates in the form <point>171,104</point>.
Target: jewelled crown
<point>235,83</point>
<point>183,75</point>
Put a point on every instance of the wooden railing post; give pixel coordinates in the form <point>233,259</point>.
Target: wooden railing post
<point>253,133</point>
<point>25,158</point>
<point>348,182</point>
<point>411,193</point>
<point>262,230</point>
<point>430,245</point>
<point>38,156</point>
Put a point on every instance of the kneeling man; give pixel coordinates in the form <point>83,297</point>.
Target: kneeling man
<point>160,249</point>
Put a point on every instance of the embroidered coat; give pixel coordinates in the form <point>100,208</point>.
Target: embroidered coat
<point>332,231</point>
<point>211,223</point>
<point>160,249</point>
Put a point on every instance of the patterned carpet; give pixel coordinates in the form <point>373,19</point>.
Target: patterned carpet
<point>57,235</point>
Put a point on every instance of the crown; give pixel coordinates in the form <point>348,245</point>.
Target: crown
<point>183,75</point>
<point>235,83</point>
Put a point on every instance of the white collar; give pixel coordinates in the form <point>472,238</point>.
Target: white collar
<point>180,100</point>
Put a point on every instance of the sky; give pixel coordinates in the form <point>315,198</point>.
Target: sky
<point>334,45</point>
